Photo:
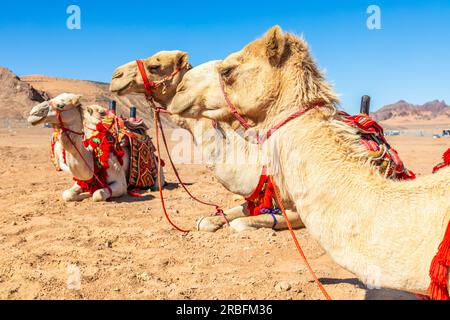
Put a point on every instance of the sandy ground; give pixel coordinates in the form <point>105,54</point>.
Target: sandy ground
<point>124,249</point>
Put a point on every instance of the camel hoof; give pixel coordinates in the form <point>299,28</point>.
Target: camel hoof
<point>239,225</point>
<point>100,195</point>
<point>69,196</point>
<point>209,224</point>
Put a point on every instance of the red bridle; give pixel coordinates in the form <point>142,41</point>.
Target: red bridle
<point>309,106</point>
<point>150,85</point>
<point>59,118</point>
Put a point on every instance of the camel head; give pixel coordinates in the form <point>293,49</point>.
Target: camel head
<point>269,75</point>
<point>127,78</point>
<point>93,114</point>
<point>67,104</point>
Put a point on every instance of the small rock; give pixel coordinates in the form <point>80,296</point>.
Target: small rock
<point>116,289</point>
<point>143,276</point>
<point>14,223</point>
<point>195,286</point>
<point>109,244</point>
<point>282,286</point>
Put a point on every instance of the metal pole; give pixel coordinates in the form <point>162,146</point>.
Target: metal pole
<point>133,112</point>
<point>112,106</point>
<point>365,105</point>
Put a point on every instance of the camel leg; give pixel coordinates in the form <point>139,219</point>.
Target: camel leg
<point>118,189</point>
<point>75,193</point>
<point>267,221</point>
<point>212,224</point>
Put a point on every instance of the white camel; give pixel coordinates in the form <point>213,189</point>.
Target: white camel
<point>80,159</point>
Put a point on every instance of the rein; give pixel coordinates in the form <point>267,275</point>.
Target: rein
<point>158,126</point>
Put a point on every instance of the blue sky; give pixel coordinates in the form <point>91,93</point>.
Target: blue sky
<point>409,58</point>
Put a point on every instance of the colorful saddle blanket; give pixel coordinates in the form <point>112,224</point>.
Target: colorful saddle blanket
<point>384,157</point>
<point>143,161</point>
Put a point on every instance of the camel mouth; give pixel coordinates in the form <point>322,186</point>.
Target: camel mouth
<point>38,114</point>
<point>35,120</point>
<point>122,90</point>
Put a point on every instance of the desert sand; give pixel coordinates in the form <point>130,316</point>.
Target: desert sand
<point>125,249</point>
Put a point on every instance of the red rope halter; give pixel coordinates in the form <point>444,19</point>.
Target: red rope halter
<point>309,106</point>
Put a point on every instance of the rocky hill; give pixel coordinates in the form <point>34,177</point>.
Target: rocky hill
<point>405,114</point>
<point>16,96</point>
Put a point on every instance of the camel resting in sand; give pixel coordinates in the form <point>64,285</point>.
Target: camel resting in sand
<point>65,110</point>
<point>385,232</point>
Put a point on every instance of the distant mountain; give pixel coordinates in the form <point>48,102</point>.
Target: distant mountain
<point>403,113</point>
<point>19,94</point>
<point>16,96</point>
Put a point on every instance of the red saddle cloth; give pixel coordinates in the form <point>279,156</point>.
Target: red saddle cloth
<point>143,172</point>
<point>387,160</point>
<point>143,162</point>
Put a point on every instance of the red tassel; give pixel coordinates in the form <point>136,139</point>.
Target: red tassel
<point>439,270</point>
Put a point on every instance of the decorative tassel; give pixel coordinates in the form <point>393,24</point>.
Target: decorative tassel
<point>439,269</point>
<point>444,164</point>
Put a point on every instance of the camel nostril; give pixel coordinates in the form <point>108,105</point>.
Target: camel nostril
<point>117,74</point>
<point>181,89</point>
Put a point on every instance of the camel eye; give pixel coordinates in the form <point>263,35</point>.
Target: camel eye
<point>154,68</point>
<point>227,72</point>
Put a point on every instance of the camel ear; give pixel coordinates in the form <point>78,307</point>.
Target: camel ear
<point>90,110</point>
<point>182,60</point>
<point>274,41</point>
<point>76,100</point>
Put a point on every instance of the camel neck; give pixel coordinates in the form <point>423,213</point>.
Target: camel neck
<point>79,158</point>
<point>234,161</point>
